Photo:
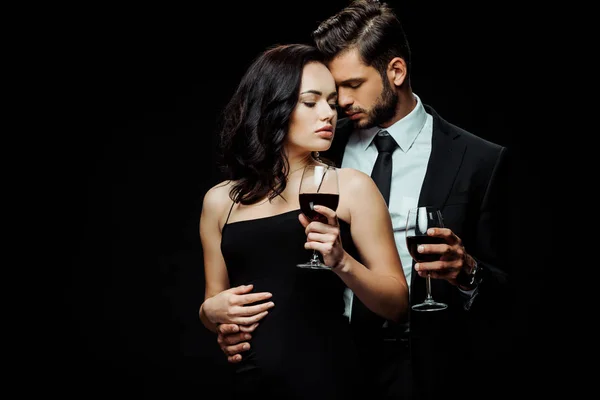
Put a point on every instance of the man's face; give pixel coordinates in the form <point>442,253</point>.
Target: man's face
<point>367,99</point>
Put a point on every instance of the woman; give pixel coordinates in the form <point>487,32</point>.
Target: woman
<point>253,235</point>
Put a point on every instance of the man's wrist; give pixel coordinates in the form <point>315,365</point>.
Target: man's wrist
<point>469,280</point>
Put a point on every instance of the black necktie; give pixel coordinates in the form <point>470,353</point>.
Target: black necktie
<point>382,171</point>
<point>364,319</point>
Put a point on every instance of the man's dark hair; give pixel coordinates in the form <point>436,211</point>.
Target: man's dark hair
<point>371,27</point>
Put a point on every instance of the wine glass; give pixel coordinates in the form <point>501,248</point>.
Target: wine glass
<point>419,220</point>
<point>318,186</point>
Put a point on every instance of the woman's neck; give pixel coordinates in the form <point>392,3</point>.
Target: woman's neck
<point>298,164</point>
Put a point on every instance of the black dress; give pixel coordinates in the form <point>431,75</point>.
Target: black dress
<point>303,348</point>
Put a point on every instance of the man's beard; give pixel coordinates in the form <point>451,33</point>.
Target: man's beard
<point>383,110</point>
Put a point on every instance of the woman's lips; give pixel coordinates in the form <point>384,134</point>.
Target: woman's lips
<point>325,134</point>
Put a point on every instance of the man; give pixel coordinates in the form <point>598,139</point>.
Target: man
<point>439,353</point>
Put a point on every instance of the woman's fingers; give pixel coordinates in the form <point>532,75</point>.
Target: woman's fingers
<point>253,310</point>
<point>252,298</point>
<point>329,213</point>
<point>250,319</point>
<point>303,220</point>
<point>240,289</point>
<point>323,237</point>
<point>319,227</point>
<point>323,248</point>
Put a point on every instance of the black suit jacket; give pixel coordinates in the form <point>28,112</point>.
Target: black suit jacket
<point>466,178</point>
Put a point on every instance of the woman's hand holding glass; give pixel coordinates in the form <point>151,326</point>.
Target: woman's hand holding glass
<point>324,237</point>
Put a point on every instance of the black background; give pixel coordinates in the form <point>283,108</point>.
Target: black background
<point>148,84</point>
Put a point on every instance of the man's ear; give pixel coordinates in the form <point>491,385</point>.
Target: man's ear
<point>396,71</point>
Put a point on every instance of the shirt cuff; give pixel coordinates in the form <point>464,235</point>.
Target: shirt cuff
<point>469,296</point>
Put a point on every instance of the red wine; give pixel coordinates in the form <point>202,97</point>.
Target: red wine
<point>414,241</point>
<point>309,200</point>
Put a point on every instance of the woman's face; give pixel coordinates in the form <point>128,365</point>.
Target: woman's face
<point>313,121</point>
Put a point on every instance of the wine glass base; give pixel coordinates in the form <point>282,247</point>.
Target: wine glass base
<point>429,306</point>
<point>313,265</point>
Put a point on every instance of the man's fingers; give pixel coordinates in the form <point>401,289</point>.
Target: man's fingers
<point>233,339</point>
<point>445,233</point>
<point>234,359</point>
<point>248,328</point>
<point>228,328</point>
<point>235,349</point>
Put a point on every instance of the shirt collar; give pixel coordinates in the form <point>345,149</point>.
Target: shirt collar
<point>404,131</point>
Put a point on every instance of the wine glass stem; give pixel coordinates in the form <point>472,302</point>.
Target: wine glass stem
<point>315,257</point>
<point>428,286</point>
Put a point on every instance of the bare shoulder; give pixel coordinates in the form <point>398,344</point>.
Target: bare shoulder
<point>217,198</point>
<point>355,181</point>
<point>358,193</point>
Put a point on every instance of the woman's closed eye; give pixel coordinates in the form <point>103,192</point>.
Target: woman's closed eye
<point>311,104</point>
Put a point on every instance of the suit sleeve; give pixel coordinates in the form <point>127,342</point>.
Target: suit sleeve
<point>492,240</point>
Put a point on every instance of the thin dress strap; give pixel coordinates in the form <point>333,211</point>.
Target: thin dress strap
<point>230,208</point>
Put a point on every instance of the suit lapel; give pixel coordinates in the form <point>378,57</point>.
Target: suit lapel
<point>447,151</point>
<point>446,157</point>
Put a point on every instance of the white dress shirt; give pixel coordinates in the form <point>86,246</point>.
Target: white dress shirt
<point>413,134</point>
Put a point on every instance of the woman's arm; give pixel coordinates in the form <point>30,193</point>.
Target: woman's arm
<point>215,270</point>
<point>222,304</point>
<point>379,282</point>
